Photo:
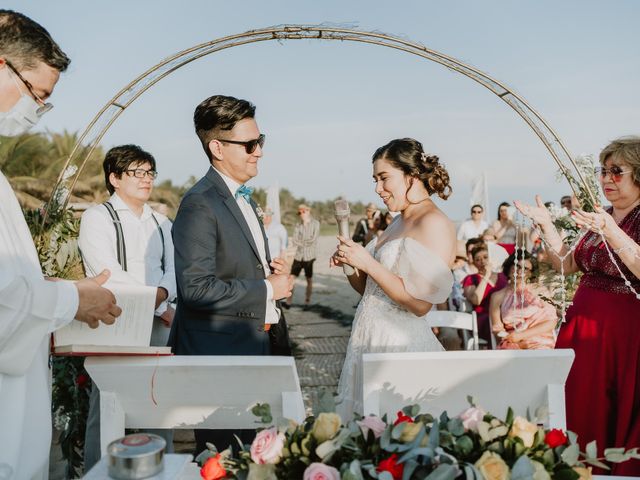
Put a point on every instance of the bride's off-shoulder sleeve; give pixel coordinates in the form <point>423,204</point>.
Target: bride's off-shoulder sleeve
<point>425,275</point>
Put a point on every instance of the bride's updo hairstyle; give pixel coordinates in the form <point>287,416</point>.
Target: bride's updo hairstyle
<point>407,154</point>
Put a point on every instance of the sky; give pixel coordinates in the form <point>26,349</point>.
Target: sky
<point>325,106</point>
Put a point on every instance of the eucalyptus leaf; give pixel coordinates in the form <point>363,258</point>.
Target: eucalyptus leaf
<point>455,426</point>
<point>409,468</point>
<point>616,455</point>
<point>523,469</point>
<point>592,449</point>
<point>570,455</point>
<point>464,444</point>
<point>471,401</point>
<point>434,435</point>
<point>596,463</point>
<point>426,452</point>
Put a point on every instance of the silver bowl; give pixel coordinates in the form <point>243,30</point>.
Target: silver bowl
<point>136,456</point>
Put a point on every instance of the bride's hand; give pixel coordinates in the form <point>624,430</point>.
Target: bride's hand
<point>353,254</point>
<point>538,213</point>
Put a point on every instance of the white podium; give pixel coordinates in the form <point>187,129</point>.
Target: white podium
<point>439,381</point>
<point>214,392</point>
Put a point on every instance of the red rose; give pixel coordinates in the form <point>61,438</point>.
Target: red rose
<point>554,438</point>
<point>402,418</point>
<point>81,380</point>
<point>392,466</point>
<point>212,469</point>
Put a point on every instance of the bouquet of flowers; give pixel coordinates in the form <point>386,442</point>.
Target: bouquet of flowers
<point>474,444</point>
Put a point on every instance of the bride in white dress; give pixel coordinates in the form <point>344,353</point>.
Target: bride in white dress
<point>404,272</point>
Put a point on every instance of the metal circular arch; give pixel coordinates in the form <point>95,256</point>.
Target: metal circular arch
<point>103,120</point>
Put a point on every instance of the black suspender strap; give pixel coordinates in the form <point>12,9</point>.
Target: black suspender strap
<point>161,238</point>
<point>120,246</point>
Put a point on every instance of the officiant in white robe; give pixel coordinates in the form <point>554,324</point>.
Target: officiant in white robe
<point>30,309</point>
<point>30,306</point>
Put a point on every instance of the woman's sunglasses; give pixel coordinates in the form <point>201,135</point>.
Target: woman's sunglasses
<point>249,146</point>
<point>615,171</point>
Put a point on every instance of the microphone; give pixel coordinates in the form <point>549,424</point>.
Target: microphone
<point>342,213</point>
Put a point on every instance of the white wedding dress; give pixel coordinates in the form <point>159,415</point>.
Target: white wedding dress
<point>382,326</point>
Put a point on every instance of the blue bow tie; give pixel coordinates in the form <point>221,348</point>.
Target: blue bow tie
<point>244,191</point>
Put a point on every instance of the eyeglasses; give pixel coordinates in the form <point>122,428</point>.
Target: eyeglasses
<point>141,173</point>
<point>300,212</point>
<point>476,211</point>
<point>249,146</point>
<point>615,171</point>
<point>44,106</point>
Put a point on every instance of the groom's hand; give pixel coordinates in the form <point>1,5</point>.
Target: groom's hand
<point>279,265</point>
<point>282,285</point>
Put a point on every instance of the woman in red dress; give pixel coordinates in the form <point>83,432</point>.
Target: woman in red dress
<point>478,288</point>
<point>603,324</point>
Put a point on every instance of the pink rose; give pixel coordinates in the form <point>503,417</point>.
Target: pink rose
<point>471,417</point>
<point>320,471</point>
<point>267,446</point>
<point>373,423</point>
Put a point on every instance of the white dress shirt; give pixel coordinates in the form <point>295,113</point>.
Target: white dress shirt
<point>272,314</point>
<point>30,309</point>
<point>143,245</point>
<point>469,229</point>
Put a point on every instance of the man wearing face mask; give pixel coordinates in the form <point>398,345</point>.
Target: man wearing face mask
<point>31,307</point>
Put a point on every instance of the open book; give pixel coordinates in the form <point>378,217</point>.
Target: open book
<point>129,335</point>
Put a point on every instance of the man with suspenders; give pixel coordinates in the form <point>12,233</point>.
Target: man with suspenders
<point>126,236</point>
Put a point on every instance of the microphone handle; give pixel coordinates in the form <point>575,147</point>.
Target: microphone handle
<point>343,229</point>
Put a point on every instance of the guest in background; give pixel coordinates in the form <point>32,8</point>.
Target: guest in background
<point>375,230</point>
<point>519,318</point>
<point>276,234</point>
<point>473,227</point>
<point>566,203</point>
<point>479,287</point>
<point>305,239</point>
<point>387,219</point>
<point>127,224</point>
<point>504,229</point>
<point>364,225</point>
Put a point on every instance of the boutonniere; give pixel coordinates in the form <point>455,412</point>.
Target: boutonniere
<point>260,214</point>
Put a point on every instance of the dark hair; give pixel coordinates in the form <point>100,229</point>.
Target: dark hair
<point>217,114</point>
<point>408,155</point>
<point>480,248</point>
<point>25,43</point>
<point>120,158</point>
<point>473,241</point>
<point>477,205</point>
<point>508,264</point>
<point>503,204</point>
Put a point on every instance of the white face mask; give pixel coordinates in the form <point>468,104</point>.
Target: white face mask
<point>20,118</point>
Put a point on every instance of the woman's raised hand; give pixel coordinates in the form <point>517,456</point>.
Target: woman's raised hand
<point>538,213</point>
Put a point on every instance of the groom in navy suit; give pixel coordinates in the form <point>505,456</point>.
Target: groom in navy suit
<point>227,283</point>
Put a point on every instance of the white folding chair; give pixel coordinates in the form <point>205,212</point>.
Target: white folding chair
<point>467,322</point>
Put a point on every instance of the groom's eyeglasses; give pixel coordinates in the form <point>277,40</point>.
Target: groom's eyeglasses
<point>249,146</point>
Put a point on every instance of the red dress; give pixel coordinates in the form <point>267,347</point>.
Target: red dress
<point>603,328</point>
<point>482,310</point>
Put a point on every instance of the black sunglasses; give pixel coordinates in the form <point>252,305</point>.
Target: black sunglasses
<point>250,145</point>
<point>44,106</point>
